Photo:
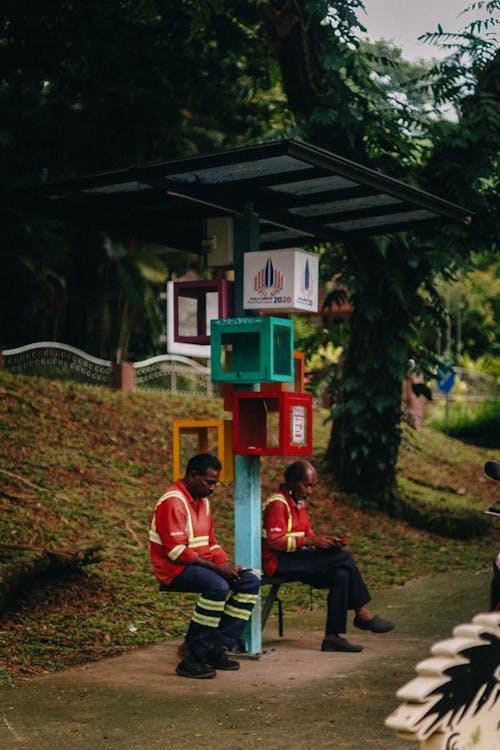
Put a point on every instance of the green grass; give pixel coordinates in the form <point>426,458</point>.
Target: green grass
<point>81,467</point>
<point>477,424</point>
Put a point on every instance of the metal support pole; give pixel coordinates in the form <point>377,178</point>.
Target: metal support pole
<point>247,533</point>
<point>247,491</point>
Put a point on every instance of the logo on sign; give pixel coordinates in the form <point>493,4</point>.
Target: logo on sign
<point>306,280</point>
<point>286,279</point>
<point>268,278</point>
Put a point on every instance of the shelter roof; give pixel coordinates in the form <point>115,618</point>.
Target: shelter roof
<point>303,194</point>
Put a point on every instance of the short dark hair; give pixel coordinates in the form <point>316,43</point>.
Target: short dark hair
<point>296,471</point>
<point>201,462</point>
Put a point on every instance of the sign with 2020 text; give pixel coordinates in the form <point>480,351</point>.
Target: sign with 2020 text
<point>284,280</point>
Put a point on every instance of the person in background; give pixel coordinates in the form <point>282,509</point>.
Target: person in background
<point>291,550</point>
<point>186,556</point>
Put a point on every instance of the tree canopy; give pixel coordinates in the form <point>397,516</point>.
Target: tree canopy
<point>91,86</point>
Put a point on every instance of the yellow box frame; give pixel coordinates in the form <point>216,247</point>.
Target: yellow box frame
<point>200,427</point>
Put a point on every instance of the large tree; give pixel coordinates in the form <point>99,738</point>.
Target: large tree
<point>88,86</point>
<point>343,108</point>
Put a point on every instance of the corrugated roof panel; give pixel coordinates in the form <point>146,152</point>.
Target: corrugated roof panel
<point>117,187</point>
<point>353,225</point>
<point>246,170</point>
<point>302,193</point>
<point>315,185</point>
<point>350,204</point>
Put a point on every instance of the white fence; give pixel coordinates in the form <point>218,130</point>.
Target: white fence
<point>57,361</point>
<point>174,373</point>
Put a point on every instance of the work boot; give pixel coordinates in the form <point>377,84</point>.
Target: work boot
<point>219,659</point>
<point>183,651</point>
<point>198,670</point>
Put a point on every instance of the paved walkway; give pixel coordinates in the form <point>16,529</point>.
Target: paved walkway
<point>294,696</point>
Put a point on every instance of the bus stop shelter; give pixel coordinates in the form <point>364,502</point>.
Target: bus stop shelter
<point>279,195</point>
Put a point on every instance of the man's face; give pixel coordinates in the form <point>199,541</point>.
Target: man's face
<point>202,485</point>
<point>302,488</point>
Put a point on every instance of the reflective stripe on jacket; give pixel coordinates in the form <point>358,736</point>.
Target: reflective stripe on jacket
<point>181,530</point>
<point>284,526</point>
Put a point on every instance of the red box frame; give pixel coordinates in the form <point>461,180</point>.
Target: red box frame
<point>250,410</point>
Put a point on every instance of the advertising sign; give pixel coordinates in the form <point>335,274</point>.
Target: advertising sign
<point>281,280</point>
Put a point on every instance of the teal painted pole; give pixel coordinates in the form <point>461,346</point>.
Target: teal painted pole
<point>247,533</point>
<point>247,489</point>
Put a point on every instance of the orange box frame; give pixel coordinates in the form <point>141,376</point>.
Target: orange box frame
<point>200,427</point>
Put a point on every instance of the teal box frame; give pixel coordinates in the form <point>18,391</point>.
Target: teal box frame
<point>252,350</point>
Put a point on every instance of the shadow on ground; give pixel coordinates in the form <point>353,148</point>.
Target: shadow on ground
<point>293,697</point>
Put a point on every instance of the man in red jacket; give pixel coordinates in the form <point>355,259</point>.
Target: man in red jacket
<point>291,550</point>
<point>186,556</point>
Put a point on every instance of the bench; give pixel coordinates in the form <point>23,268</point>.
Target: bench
<point>275,582</point>
<point>272,596</point>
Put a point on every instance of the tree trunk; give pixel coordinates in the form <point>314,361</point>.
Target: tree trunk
<point>294,36</point>
<point>366,433</point>
<point>363,448</point>
<point>364,442</point>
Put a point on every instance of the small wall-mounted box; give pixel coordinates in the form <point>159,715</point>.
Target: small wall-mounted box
<point>196,304</point>
<point>252,350</point>
<point>272,423</point>
<point>190,436</point>
<point>220,241</point>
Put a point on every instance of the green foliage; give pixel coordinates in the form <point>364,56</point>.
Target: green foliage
<point>472,299</point>
<point>110,83</point>
<point>478,424</point>
<point>464,162</point>
<point>403,82</point>
<point>488,365</point>
<point>322,370</point>
<point>470,51</point>
<point>90,86</point>
<point>392,281</point>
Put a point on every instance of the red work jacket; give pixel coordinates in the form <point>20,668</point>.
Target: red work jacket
<point>284,526</point>
<point>182,528</point>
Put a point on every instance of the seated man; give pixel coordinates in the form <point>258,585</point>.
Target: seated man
<point>291,550</point>
<point>187,557</point>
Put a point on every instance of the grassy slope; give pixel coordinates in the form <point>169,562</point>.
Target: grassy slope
<point>81,466</point>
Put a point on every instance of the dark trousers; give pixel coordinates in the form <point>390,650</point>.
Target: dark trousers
<point>334,570</point>
<point>222,610</point>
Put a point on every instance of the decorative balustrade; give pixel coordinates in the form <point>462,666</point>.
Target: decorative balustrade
<point>174,373</point>
<point>57,361</point>
<point>51,359</point>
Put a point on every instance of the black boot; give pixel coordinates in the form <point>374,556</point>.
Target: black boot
<point>192,667</point>
<point>219,659</point>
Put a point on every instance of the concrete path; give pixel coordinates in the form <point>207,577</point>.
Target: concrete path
<point>293,697</point>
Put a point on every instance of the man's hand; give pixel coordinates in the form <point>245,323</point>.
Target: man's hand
<point>324,541</point>
<point>229,571</point>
